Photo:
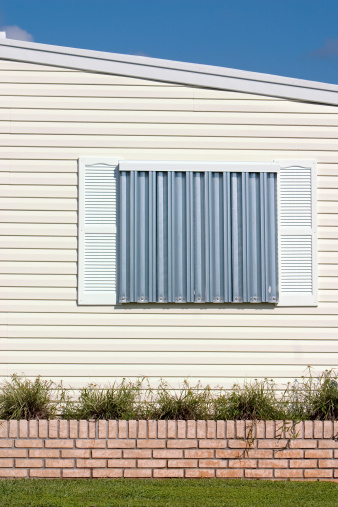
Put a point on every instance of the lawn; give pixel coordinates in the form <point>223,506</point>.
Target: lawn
<point>169,492</point>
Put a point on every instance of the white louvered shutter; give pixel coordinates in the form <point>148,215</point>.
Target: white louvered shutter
<point>97,231</point>
<point>298,284</point>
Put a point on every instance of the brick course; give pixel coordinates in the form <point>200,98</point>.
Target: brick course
<point>160,449</point>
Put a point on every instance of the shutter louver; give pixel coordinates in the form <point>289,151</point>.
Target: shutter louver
<point>97,231</point>
<point>297,234</point>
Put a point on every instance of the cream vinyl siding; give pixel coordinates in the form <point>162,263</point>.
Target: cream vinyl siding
<point>49,117</point>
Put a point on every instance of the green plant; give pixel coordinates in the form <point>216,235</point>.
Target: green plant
<point>186,403</point>
<point>21,398</point>
<point>252,401</point>
<point>119,401</point>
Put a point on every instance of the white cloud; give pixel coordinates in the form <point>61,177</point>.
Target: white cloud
<point>17,33</point>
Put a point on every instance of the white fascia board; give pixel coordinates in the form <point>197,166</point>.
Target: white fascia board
<point>131,165</point>
<point>169,71</point>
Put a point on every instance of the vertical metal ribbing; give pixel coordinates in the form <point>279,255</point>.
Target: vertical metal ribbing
<point>227,237</point>
<point>199,238</point>
<point>142,238</point>
<point>272,285</point>
<point>124,238</point>
<point>216,239</point>
<point>189,235</point>
<point>180,235</point>
<point>237,237</point>
<point>253,240</point>
<point>162,237</point>
<point>264,236</point>
<point>132,231</point>
<point>170,236</point>
<point>245,221</point>
<point>207,235</point>
<point>152,236</point>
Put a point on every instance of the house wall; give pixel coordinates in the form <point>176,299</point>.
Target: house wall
<point>48,118</point>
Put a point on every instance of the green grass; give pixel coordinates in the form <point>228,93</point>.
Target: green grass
<point>168,492</point>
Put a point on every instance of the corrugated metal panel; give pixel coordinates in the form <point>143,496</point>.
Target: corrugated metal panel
<point>198,237</point>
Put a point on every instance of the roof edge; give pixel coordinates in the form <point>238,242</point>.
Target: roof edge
<point>205,76</point>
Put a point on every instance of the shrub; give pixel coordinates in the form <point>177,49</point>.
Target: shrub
<point>119,401</point>
<point>186,403</point>
<point>255,400</point>
<point>21,398</point>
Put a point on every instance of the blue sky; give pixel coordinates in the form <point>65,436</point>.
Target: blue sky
<point>296,38</point>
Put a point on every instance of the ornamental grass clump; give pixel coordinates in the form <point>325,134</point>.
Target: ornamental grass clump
<point>21,398</point>
<point>186,403</point>
<point>252,401</point>
<point>119,401</point>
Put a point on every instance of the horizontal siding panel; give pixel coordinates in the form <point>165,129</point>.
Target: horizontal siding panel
<point>173,320</point>
<point>159,332</point>
<point>328,232</point>
<point>328,270</point>
<point>41,255</point>
<point>17,267</point>
<point>37,229</point>
<point>166,345</point>
<point>31,178</point>
<point>49,217</point>
<point>330,207</point>
<point>37,280</point>
<point>41,203</point>
<point>171,117</point>
<point>40,293</point>
<point>328,282</point>
<point>45,191</point>
<point>326,219</point>
<point>164,371</point>
<point>70,307</point>
<point>329,296</point>
<point>207,359</point>
<point>38,242</point>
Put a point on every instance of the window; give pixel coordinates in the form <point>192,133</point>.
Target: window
<point>196,232</point>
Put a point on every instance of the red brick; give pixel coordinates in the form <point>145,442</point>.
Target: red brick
<point>121,463</point>
<point>308,429</point>
<point>229,474</point>
<point>91,463</point>
<point>181,429</point>
<point>220,429</point>
<point>318,429</point>
<point>161,429</point>
<point>230,429</point>
<point>151,463</point>
<point>83,429</point>
<point>260,429</point>
<point>53,429</point>
<point>240,429</point>
<point>299,430</point>
<point>33,429</point>
<point>281,429</point>
<point>120,444</point>
<point>211,429</point>
<point>317,474</point>
<point>6,463</point>
<point>75,453</point>
<point>271,444</point>
<point>269,429</point>
<point>28,443</point>
<point>199,473</point>
<point>43,433</point>
<point>318,453</point>
<point>272,463</point>
<point>258,474</point>
<point>103,472</point>
<point>327,444</point>
<point>181,444</point>
<point>61,443</point>
<point>212,444</point>
<point>288,474</point>
<point>137,473</point>
<point>59,463</point>
<point>182,463</point>
<point>132,429</point>
<point>76,473</point>
<point>92,429</point>
<point>90,444</point>
<point>142,429</point>
<point>201,429</point>
<point>197,454</point>
<point>112,429</point>
<point>226,453</point>
<point>171,429</point>
<point>289,454</point>
<point>167,453</point>
<point>250,430</point>
<point>45,473</point>
<point>168,473</point>
<point>328,429</point>
<point>153,443</point>
<point>261,454</point>
<point>242,463</point>
<point>103,429</point>
<point>336,473</point>
<point>13,429</point>
<point>191,429</point>
<point>3,428</point>
<point>139,453</point>
<point>43,453</point>
<point>122,429</point>
<point>28,463</point>
<point>12,472</point>
<point>240,444</point>
<point>303,444</point>
<point>303,463</point>
<point>23,429</point>
<point>212,463</point>
<point>6,443</point>
<point>328,463</point>
<point>63,429</point>
<point>335,455</point>
<point>73,429</point>
<point>106,453</point>
<point>152,429</point>
<point>13,453</point>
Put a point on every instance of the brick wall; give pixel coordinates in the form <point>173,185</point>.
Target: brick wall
<point>267,450</point>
